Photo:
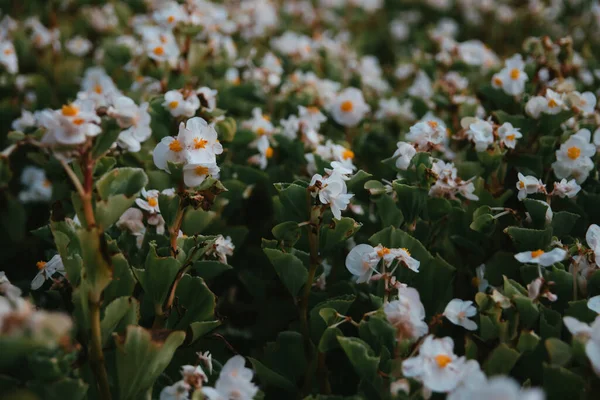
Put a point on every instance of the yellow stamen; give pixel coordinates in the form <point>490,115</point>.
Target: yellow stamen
<point>98,89</point>
<point>552,103</point>
<point>173,105</point>
<point>510,137</point>
<point>347,106</point>
<point>574,152</point>
<point>406,250</point>
<point>201,170</point>
<point>78,121</point>
<point>537,253</point>
<point>261,131</point>
<point>348,154</point>
<point>152,202</point>
<point>383,252</point>
<point>312,110</point>
<point>40,265</point>
<point>159,50</point>
<point>498,81</point>
<point>171,19</point>
<point>200,143</point>
<point>432,124</point>
<point>514,74</point>
<point>8,52</point>
<point>521,184</point>
<point>69,110</point>
<point>269,152</point>
<point>442,360</point>
<point>175,146</point>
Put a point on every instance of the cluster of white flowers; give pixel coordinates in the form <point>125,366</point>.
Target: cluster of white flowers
<point>406,314</point>
<point>483,133</point>
<point>331,189</point>
<point>574,157</point>
<point>363,260</point>
<point>195,148</point>
<point>449,184</point>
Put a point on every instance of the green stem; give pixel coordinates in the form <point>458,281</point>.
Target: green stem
<point>96,354</point>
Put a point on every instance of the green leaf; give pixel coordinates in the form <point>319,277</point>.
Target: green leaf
<point>501,360</point>
<point>289,268</point>
<point>121,312</point>
<point>560,383</point>
<point>269,377</point>
<point>97,270</point>
<point>198,301</point>
<point>123,281</point>
<point>105,140</point>
<point>357,182</point>
<point>529,239</point>
<point>485,224</point>
<point>411,201</point>
<point>118,189</point>
<point>158,275</point>
<point>200,329</point>
<point>295,201</point>
<point>169,207</point>
<point>528,311</point>
<point>210,269</point>
<point>389,214</point>
<point>64,388</point>
<point>317,324</point>
<point>563,222</point>
<point>537,211</point>
<point>559,352</point>
<point>141,356</point>
<point>336,233</point>
<point>550,323</point>
<point>329,339</point>
<point>361,357</point>
<point>287,232</point>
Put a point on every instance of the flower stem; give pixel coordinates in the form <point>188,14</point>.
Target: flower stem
<point>313,240</point>
<point>174,231</point>
<point>96,354</point>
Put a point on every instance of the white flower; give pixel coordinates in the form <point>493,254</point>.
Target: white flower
<point>422,86</point>
<point>554,102</point>
<point>47,269</point>
<point>98,87</point>
<point>585,102</point>
<point>265,152</point>
<point>134,120</point>
<point>150,203</point>
<point>458,312</point>
<point>161,45</point>
<point>206,358</point>
<point>407,315</point>
<point>592,237</point>
<point>361,262</point>
<point>538,288</point>
<point>349,107</point>
<point>310,117</point>
<point>72,124</point>
<point>573,158</point>
<point>290,126</point>
<point>403,256</point>
<point>436,365</point>
<point>512,77</point>
<point>529,185</point>
<point>479,280</point>
<point>479,131</point>
<point>178,105</point>
<point>196,143</point>
<point>426,133</point>
<point>195,174</point>
<point>497,387</point>
<point>8,56</point>
<point>201,140</point>
<point>193,375</point>
<point>566,188</point>
<point>170,14</point>
<point>535,106</point>
<point>509,135</point>
<point>500,299</point>
<point>260,123</point>
<point>79,46</point>
<point>132,220</point>
<point>405,154</point>
<point>235,382</point>
<point>36,186</point>
<point>332,190</point>
<point>544,259</point>
<point>27,120</point>
<point>222,248</point>
<point>207,97</point>
<point>177,391</point>
<point>594,304</point>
